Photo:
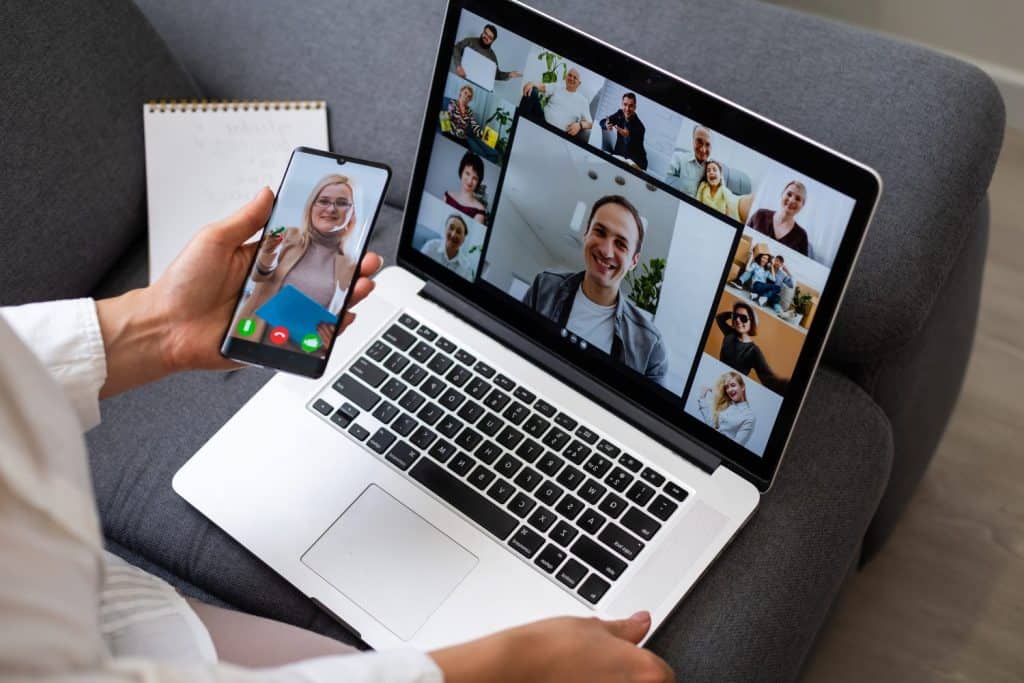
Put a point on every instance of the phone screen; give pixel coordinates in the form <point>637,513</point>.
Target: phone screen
<point>306,262</point>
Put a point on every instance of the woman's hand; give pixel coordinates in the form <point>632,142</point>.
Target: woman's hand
<point>704,391</point>
<point>268,250</point>
<point>561,650</point>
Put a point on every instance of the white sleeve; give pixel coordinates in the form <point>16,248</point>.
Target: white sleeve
<point>65,337</point>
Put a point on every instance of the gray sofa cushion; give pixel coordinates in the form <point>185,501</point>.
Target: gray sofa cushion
<point>75,78</point>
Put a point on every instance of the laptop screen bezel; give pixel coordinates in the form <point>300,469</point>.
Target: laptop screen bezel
<point>786,147</point>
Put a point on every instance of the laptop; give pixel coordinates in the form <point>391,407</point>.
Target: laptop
<point>570,393</point>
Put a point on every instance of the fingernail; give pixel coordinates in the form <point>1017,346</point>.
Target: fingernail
<point>642,615</point>
<point>380,267</point>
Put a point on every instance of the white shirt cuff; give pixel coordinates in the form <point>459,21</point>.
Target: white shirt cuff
<point>405,665</point>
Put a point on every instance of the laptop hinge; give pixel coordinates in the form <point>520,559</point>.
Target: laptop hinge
<point>599,393</point>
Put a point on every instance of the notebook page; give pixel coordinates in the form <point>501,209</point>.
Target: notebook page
<point>205,161</point>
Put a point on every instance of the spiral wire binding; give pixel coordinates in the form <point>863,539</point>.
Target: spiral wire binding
<point>171,106</point>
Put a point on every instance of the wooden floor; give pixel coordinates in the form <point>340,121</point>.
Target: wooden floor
<point>944,601</point>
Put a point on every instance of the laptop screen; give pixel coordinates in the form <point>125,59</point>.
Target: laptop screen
<point>610,212</point>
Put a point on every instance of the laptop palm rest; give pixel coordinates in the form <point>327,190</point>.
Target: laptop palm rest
<point>389,561</point>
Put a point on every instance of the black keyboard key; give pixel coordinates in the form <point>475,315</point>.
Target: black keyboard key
<point>408,321</point>
<point>422,352</point>
<point>508,466</point>
<point>608,448</point>
<point>471,411</point>
<point>381,440</point>
<point>461,464</point>
<point>504,382</point>
<point>358,431</point>
<point>385,412</point>
<point>524,395</point>
<point>548,493</point>
<point>662,508</point>
<point>323,407</point>
<point>521,505</point>
<point>459,375</point>
<point>401,455</point>
<point>630,463</point>
<point>411,401</point>
<point>509,437</point>
<point>544,408</point>
<point>442,451</point>
<point>426,333</point>
<point>612,506</point>
<point>399,337</point>
<point>640,524</point>
<point>550,464</point>
<point>542,519</point>
<point>577,451</point>
<point>478,388</point>
<point>488,452</point>
<point>349,410</point>
<point>414,374</point>
<point>676,491</point>
<point>469,439</point>
<point>569,507</point>
<point>484,369</point>
<point>621,542</point>
<point>591,521</point>
<point>449,425</point>
<point>491,424</point>
<point>378,351</point>
<point>496,400</point>
<point>516,412</point>
<point>563,420</point>
<point>586,435</point>
<point>445,345</point>
<point>393,388</point>
<point>640,493</point>
<point>528,479</point>
<point>404,424</point>
<point>396,363</point>
<point>619,479</point>
<point>501,491</point>
<point>430,413</point>
<point>570,477</point>
<point>463,498</point>
<point>422,438</point>
<point>591,492</point>
<point>593,589</point>
<point>526,541</point>
<point>433,386</point>
<point>465,357</point>
<point>598,557</point>
<point>452,399</point>
<point>341,419</point>
<point>556,439</point>
<point>356,392</point>
<point>529,450</point>
<point>368,372</point>
<point>563,533</point>
<point>440,364</point>
<point>481,477</point>
<point>572,573</point>
<point>598,465</point>
<point>536,426</point>
<point>653,477</point>
<point>550,558</point>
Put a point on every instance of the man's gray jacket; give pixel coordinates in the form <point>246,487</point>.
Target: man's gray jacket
<point>636,342</point>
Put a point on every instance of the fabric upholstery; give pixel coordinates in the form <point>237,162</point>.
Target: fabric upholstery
<point>75,78</point>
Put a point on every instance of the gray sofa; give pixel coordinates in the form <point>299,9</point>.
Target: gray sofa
<point>74,224</point>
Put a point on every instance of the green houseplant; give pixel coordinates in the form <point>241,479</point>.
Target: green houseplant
<point>502,117</point>
<point>552,62</point>
<point>645,288</point>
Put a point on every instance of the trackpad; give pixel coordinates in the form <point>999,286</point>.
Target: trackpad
<point>390,561</point>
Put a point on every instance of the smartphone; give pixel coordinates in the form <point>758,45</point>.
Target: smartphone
<point>300,281</point>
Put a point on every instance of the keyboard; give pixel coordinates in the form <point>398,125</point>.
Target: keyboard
<point>557,493</point>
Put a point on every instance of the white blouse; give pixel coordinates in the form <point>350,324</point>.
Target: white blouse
<point>68,608</point>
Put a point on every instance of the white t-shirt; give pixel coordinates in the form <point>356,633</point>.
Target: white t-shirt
<point>565,107</point>
<point>460,264</point>
<point>592,322</point>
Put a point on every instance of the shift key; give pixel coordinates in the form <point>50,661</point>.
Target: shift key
<point>355,391</point>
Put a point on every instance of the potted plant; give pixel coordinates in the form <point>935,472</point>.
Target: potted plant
<point>502,117</point>
<point>802,304</point>
<point>553,62</point>
<point>645,288</point>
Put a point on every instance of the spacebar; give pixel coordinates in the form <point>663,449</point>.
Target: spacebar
<point>463,498</point>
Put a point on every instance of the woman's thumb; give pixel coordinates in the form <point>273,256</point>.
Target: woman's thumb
<point>241,225</point>
<point>632,629</point>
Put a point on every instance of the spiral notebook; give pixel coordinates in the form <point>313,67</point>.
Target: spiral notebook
<point>206,159</point>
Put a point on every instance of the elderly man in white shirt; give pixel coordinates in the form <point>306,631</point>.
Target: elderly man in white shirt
<point>567,108</point>
<point>69,610</point>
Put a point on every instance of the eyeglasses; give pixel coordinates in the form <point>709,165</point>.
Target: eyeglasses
<point>741,317</point>
<point>341,205</point>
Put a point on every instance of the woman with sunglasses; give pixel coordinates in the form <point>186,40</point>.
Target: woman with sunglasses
<point>311,257</point>
<point>739,350</point>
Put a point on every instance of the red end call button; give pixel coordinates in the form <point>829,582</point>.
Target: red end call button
<point>279,335</point>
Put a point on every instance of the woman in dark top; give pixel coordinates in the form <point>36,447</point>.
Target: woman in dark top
<point>781,225</point>
<point>471,174</point>
<point>738,349</point>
